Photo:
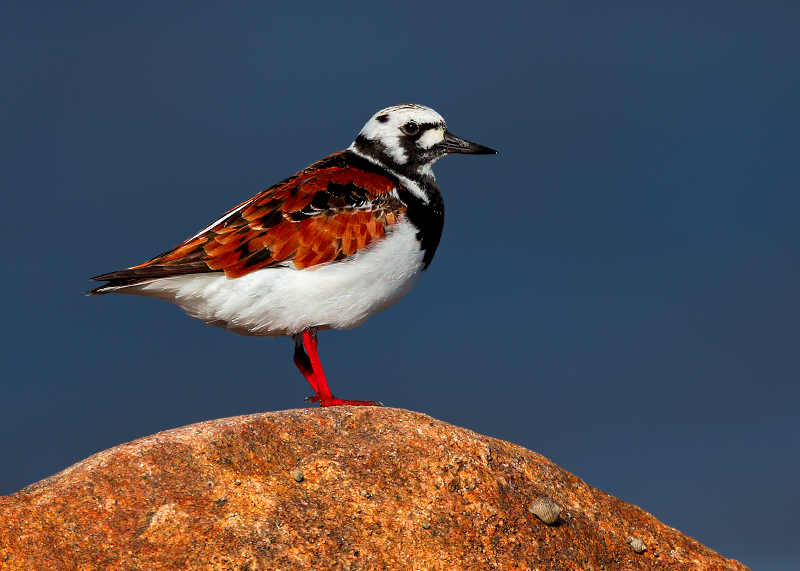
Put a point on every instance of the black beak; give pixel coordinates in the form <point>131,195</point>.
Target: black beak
<point>453,144</point>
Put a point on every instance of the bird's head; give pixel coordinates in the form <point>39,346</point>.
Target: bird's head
<point>410,138</point>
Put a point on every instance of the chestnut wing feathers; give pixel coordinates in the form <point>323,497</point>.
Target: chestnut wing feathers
<point>325,213</point>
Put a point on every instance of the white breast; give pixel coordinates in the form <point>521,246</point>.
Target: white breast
<point>285,300</point>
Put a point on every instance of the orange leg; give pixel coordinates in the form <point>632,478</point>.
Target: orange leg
<point>304,364</point>
<point>307,360</point>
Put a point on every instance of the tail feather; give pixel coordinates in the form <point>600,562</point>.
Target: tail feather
<point>136,276</point>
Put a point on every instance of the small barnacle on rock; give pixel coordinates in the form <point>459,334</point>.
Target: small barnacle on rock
<point>636,544</point>
<point>545,509</point>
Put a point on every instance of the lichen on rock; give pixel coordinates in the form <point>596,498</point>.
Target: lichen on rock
<point>338,488</point>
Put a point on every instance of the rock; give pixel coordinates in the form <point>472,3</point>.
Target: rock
<point>340,488</point>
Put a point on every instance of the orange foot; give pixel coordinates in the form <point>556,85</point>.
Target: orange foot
<point>333,401</point>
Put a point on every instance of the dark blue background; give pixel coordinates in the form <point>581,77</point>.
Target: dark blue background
<point>617,289</point>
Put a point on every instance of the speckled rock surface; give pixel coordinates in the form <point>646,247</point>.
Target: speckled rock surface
<point>343,488</point>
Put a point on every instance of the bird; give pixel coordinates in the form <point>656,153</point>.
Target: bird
<point>326,248</point>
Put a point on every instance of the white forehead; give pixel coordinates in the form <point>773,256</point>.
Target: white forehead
<point>385,123</point>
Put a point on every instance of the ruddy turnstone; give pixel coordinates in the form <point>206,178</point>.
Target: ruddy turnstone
<point>326,248</point>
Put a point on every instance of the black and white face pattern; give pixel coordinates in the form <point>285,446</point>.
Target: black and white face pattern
<point>407,138</point>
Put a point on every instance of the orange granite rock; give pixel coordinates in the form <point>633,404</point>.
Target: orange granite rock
<point>342,488</point>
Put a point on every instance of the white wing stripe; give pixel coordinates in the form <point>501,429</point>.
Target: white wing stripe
<point>223,219</point>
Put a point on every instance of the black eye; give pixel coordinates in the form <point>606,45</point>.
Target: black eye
<point>410,128</point>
